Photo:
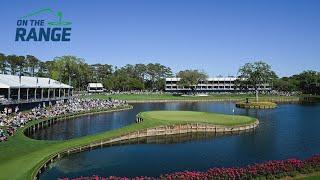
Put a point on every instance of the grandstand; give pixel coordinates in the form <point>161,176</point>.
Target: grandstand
<point>25,89</point>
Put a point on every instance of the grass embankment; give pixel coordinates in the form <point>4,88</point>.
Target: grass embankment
<point>311,176</point>
<point>185,117</point>
<point>256,105</point>
<point>21,156</point>
<point>165,96</point>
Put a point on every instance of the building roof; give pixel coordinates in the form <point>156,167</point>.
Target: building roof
<point>12,81</point>
<point>99,85</point>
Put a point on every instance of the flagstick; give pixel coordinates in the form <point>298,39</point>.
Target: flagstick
<point>233,114</point>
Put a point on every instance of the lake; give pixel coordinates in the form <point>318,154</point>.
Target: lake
<point>289,131</point>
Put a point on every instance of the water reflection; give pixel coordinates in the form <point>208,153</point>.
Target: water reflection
<point>93,124</point>
<point>291,130</point>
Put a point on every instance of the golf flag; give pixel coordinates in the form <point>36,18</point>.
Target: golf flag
<point>233,110</point>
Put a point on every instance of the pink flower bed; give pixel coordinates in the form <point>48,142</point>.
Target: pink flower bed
<point>270,169</point>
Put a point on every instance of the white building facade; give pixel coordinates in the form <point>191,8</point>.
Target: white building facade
<point>217,84</point>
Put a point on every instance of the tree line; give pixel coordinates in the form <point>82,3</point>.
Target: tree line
<point>253,75</point>
<point>76,72</point>
<point>307,82</point>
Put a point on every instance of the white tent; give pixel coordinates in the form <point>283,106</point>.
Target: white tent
<point>11,81</point>
<point>26,88</point>
<point>95,87</point>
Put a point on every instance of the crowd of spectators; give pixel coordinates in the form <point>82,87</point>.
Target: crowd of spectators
<point>11,119</point>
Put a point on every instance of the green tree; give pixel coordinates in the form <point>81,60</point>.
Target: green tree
<point>101,72</point>
<point>135,84</point>
<point>3,64</point>
<point>122,77</point>
<point>13,63</point>
<point>190,78</point>
<point>256,74</point>
<point>309,81</point>
<point>32,63</point>
<point>141,71</point>
<point>70,69</point>
<point>287,84</point>
<point>21,63</point>
<point>156,73</point>
<point>43,69</point>
<point>109,83</point>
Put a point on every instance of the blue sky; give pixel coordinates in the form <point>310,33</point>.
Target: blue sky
<point>216,36</point>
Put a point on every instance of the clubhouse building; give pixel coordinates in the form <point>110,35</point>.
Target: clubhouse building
<point>25,89</point>
<point>217,84</point>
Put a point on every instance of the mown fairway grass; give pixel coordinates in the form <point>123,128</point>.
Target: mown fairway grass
<point>21,156</point>
<point>152,97</point>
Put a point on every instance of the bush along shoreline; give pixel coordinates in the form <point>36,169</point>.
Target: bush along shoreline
<point>256,105</point>
<point>276,169</point>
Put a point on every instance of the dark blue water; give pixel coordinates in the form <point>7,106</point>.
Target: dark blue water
<point>291,130</point>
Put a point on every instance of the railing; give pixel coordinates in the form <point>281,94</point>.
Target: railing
<point>21,101</point>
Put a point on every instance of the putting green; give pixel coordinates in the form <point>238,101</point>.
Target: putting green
<point>184,117</point>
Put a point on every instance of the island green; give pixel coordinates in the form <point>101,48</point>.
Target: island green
<point>21,157</point>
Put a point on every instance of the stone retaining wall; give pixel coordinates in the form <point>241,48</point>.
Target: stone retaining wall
<point>157,131</point>
<point>241,105</point>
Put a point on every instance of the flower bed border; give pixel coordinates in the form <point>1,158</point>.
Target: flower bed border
<point>275,169</point>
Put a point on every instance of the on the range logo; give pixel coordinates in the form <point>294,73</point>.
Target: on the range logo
<point>30,28</point>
